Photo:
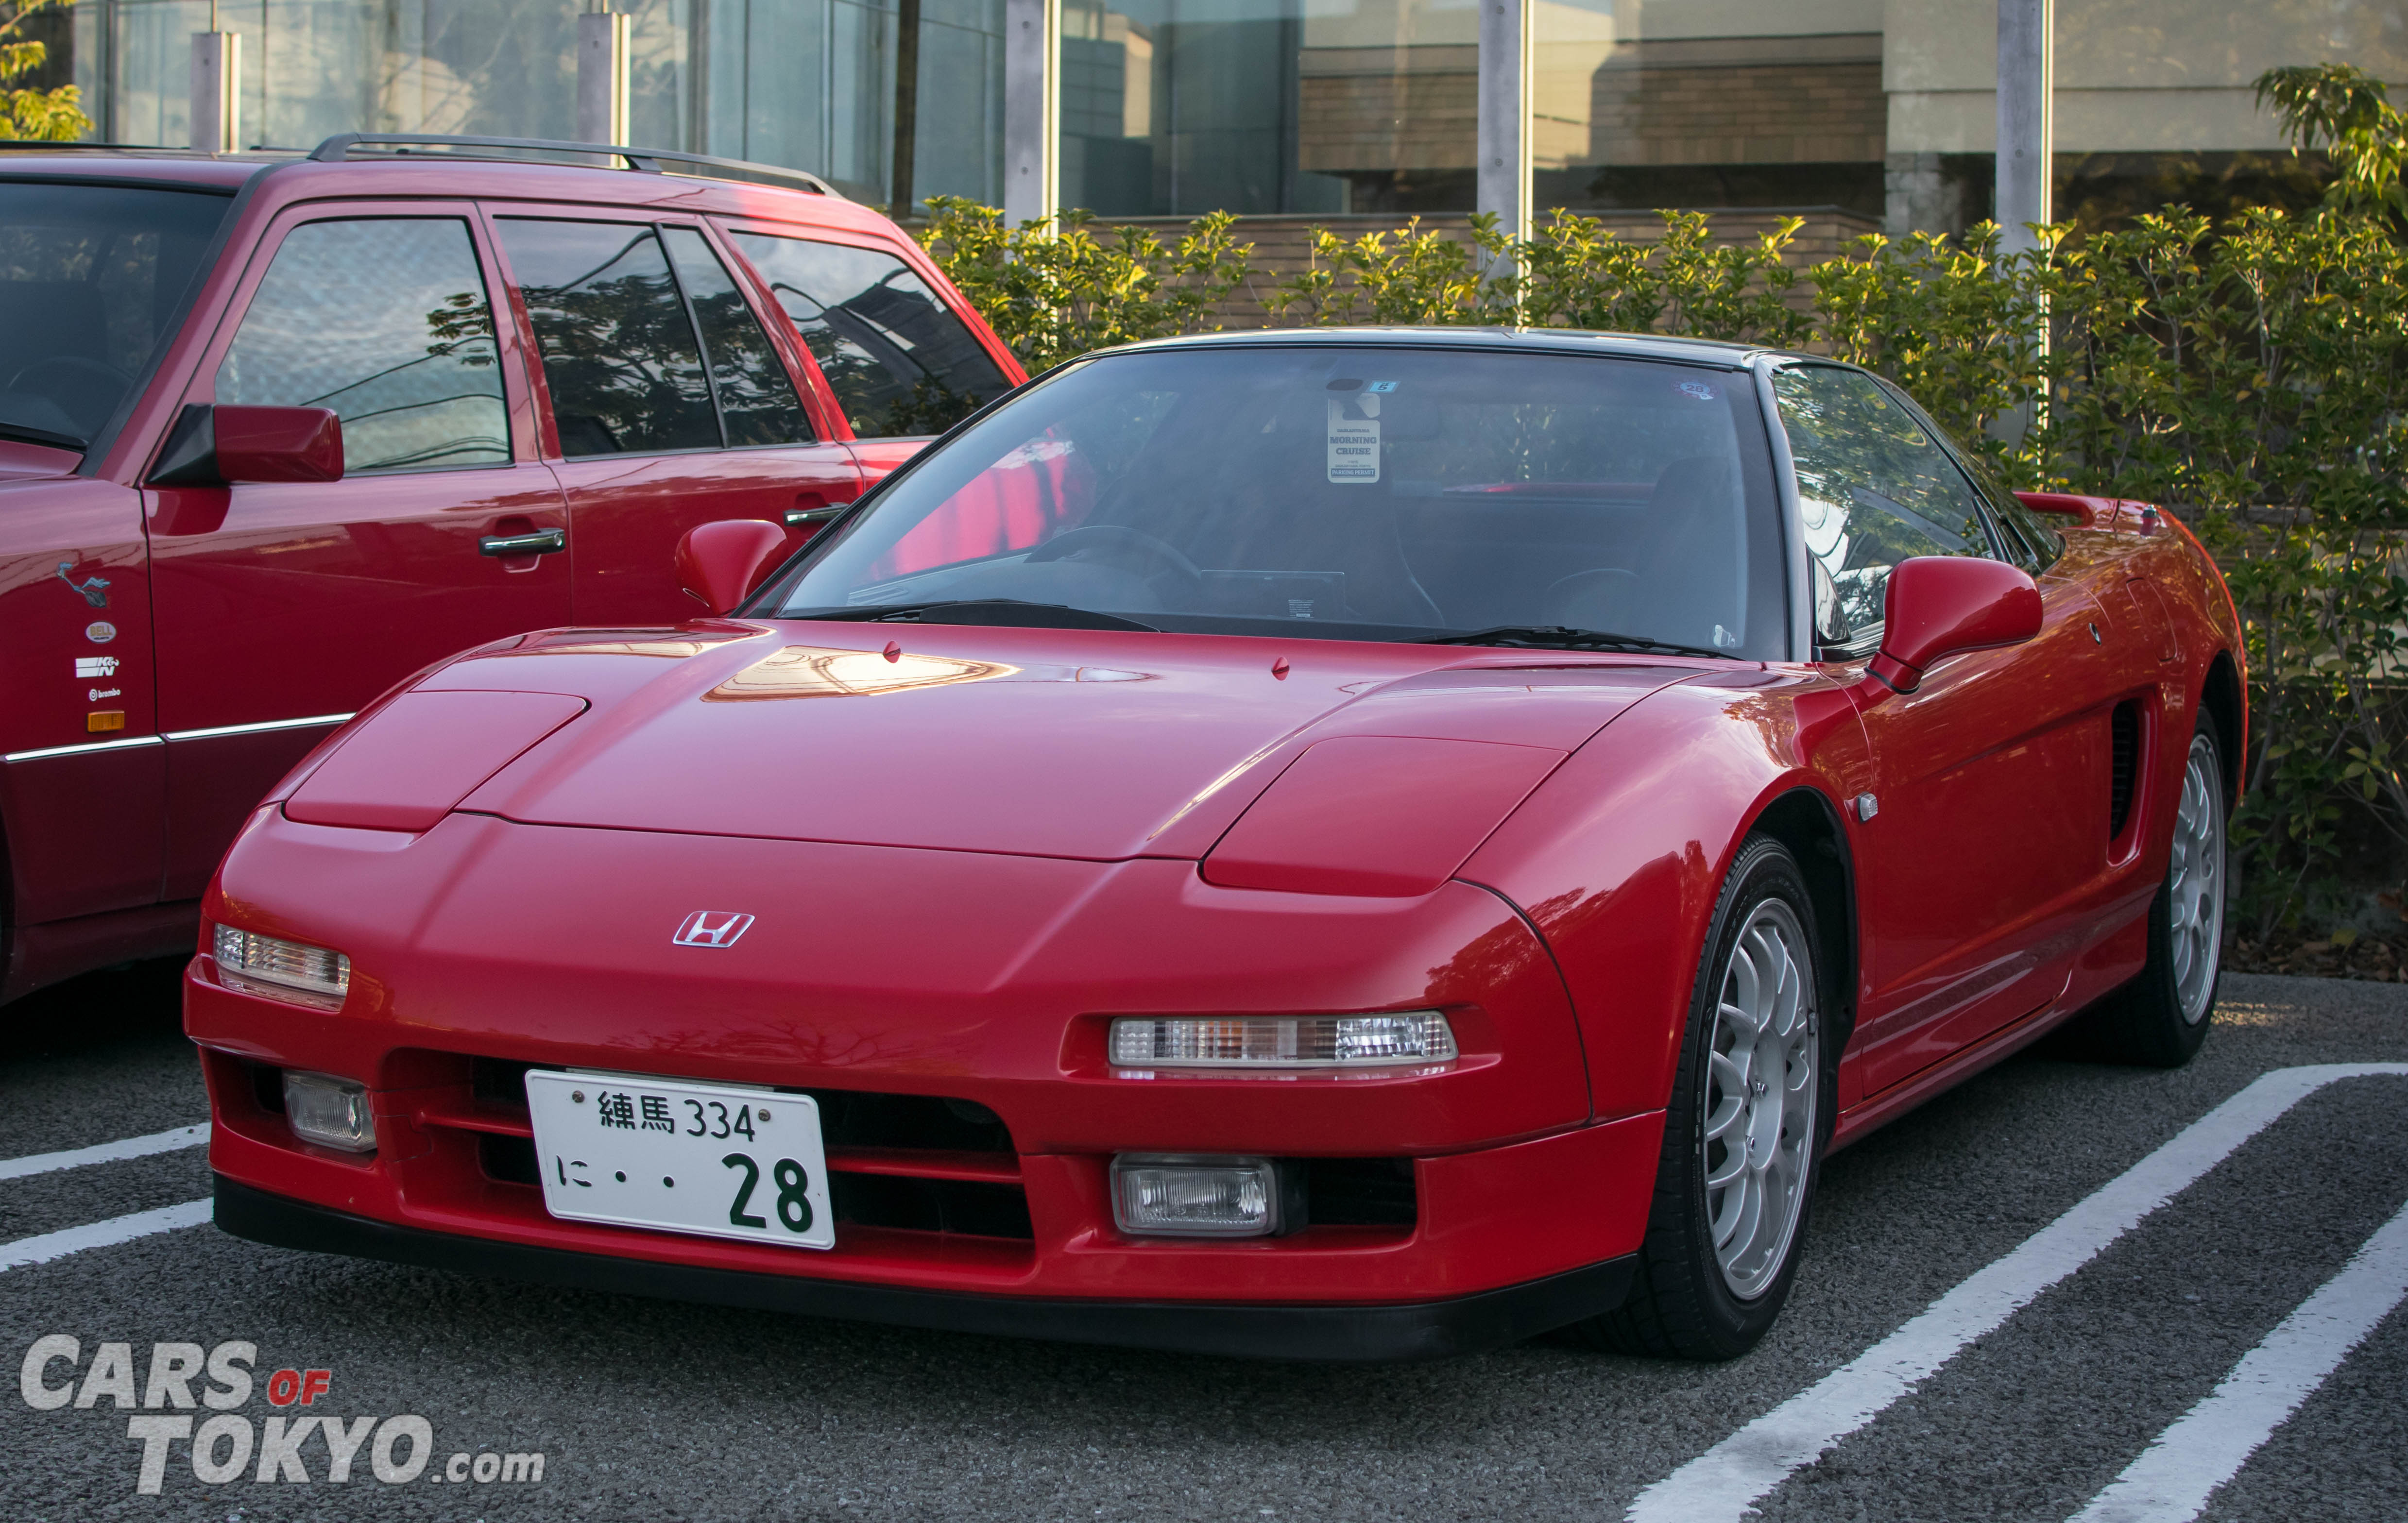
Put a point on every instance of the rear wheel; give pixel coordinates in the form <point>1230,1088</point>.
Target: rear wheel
<point>1743,1133</point>
<point>2161,1019</point>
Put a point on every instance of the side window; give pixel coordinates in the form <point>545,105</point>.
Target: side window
<point>757,396</point>
<point>619,356</point>
<point>386,321</point>
<point>1873,489</point>
<point>2022,536</point>
<point>897,360</point>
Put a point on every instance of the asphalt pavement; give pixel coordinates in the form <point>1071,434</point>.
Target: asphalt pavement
<point>2063,1290</point>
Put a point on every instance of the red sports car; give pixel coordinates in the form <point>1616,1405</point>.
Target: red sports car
<point>1361,844</point>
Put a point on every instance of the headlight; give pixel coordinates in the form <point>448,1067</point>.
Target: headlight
<point>1416,1036</point>
<point>282,970</point>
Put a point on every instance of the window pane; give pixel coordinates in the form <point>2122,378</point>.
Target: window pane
<point>384,320</point>
<point>1268,105</point>
<point>899,362</point>
<point>757,396</point>
<point>617,351</point>
<point>89,276</point>
<point>1872,488</point>
<point>1344,493</point>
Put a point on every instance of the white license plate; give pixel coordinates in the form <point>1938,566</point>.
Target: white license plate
<point>720,1160</point>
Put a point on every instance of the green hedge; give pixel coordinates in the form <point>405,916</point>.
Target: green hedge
<point>2250,376</point>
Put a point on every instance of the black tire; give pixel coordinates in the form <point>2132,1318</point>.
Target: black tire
<point>2149,1022</point>
<point>1682,1302</point>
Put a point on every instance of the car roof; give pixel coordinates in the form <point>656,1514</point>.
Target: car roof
<point>1698,351</point>
<point>468,172</point>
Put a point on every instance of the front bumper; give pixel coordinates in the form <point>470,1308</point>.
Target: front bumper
<point>1413,1331</point>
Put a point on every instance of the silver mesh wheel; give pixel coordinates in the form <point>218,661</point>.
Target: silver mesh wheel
<point>1762,1085</point>
<point>2195,881</point>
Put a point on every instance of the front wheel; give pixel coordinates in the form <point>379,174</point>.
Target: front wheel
<point>2159,1019</point>
<point>1743,1133</point>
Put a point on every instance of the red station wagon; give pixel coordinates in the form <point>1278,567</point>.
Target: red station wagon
<point>277,432</point>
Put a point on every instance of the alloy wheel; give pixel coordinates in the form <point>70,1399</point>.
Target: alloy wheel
<point>1762,1083</point>
<point>2195,881</point>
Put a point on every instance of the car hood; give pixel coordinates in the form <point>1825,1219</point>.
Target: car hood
<point>1099,745</point>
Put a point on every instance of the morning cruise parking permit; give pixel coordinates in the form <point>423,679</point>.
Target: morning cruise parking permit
<point>1355,433</point>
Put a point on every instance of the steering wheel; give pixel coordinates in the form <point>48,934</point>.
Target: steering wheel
<point>1165,555</point>
<point>101,384</point>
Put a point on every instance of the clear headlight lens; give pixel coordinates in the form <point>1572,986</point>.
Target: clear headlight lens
<point>330,1112</point>
<point>1414,1036</point>
<point>282,970</point>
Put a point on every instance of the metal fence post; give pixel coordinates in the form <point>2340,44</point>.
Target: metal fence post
<point>1032,137</point>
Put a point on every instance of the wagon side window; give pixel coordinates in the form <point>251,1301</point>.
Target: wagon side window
<point>899,361</point>
<point>386,321</point>
<point>1873,489</point>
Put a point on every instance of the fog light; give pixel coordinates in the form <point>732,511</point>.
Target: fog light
<point>330,1112</point>
<point>1176,1195</point>
<point>282,970</point>
<point>1414,1036</point>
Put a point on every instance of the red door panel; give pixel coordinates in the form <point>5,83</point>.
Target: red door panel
<point>1992,831</point>
<point>284,606</point>
<point>80,790</point>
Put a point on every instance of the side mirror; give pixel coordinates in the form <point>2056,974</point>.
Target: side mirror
<point>1938,605</point>
<point>213,447</point>
<point>720,563</point>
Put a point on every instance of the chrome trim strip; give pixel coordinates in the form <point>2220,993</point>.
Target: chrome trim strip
<point>263,727</point>
<point>128,744</point>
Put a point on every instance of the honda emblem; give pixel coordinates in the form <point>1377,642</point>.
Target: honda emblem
<point>712,928</point>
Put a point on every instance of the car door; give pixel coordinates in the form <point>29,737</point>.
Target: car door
<point>1989,803</point>
<point>283,607</point>
<point>669,403</point>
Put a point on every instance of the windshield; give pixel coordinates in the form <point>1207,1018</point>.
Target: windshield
<point>1346,493</point>
<point>90,277</point>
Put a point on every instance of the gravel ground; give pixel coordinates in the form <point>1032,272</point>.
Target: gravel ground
<point>651,1410</point>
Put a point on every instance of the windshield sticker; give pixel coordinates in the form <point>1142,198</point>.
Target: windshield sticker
<point>1353,440</point>
<point>1703,390</point>
<point>1381,386</point>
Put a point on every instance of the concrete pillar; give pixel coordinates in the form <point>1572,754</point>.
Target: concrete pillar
<point>2027,76</point>
<point>1032,136</point>
<point>603,39</point>
<point>1503,183</point>
<point>217,91</point>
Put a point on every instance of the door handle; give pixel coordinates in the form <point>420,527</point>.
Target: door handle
<point>539,542</point>
<point>798,518</point>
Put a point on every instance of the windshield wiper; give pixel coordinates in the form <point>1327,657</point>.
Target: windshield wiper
<point>1009,613</point>
<point>26,434</point>
<point>1561,637</point>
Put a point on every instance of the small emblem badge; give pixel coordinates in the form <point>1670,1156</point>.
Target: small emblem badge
<point>95,589</point>
<point>92,667</point>
<point>100,632</point>
<point>712,928</point>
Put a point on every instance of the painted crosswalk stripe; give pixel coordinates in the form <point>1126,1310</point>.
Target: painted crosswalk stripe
<point>2208,1444</point>
<point>107,1152</point>
<point>1722,1484</point>
<point>101,1234</point>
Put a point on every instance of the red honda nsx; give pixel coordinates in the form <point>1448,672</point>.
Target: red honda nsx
<point>1355,845</point>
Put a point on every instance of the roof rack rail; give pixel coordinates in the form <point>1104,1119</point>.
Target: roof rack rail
<point>648,160</point>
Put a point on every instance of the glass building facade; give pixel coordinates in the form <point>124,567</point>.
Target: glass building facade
<point>1882,108</point>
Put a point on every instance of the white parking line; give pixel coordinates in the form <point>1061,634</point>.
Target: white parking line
<point>2208,1444</point>
<point>101,1234</point>
<point>1726,1481</point>
<point>110,1152</point>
